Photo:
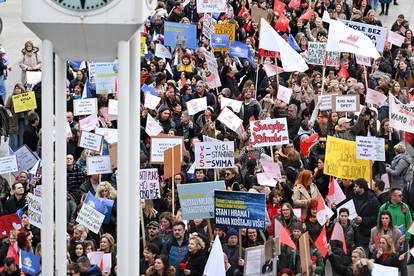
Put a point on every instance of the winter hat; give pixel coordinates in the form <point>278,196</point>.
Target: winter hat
<point>232,232</point>
<point>297,226</point>
<point>162,108</point>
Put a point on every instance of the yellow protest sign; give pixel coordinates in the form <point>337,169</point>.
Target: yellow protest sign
<point>341,161</point>
<point>225,29</point>
<point>24,102</point>
<point>143,46</point>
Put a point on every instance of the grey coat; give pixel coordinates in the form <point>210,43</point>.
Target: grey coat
<point>399,166</point>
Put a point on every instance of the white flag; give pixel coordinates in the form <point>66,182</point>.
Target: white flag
<point>152,128</point>
<point>230,119</point>
<point>270,40</point>
<point>342,38</point>
<point>215,262</point>
<point>162,51</point>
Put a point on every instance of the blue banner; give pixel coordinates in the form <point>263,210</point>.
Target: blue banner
<point>220,41</point>
<point>197,200</point>
<point>145,88</point>
<point>184,35</point>
<point>239,49</point>
<point>102,205</point>
<point>30,263</point>
<point>240,209</point>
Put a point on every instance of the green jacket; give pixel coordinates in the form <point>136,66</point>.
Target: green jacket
<point>401,215</point>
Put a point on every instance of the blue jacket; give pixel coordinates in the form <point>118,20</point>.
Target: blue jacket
<point>94,270</point>
<point>175,252</point>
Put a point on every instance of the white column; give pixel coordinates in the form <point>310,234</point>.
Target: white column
<point>134,130</point>
<point>47,158</point>
<point>124,184</point>
<point>60,164</point>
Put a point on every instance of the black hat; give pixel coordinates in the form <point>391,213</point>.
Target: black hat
<point>153,223</point>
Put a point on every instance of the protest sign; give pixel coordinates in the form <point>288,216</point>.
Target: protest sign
<point>172,161</point>
<point>341,161</point>
<point>254,257</point>
<point>370,148</point>
<point>361,60</point>
<point>208,25</point>
<point>234,104</point>
<point>90,218</point>
<point>24,102</point>
<point>377,34</point>
<point>401,115</point>
<point>211,155</point>
<point>29,263</point>
<point>83,107</point>
<point>160,144</point>
<point>395,38</point>
<point>269,132</point>
<point>101,259</point>
<point>375,97</point>
<point>149,185</point>
<point>266,179</point>
<point>326,101</point>
<point>284,94</point>
<point>152,127</point>
<point>112,107</point>
<point>304,252</point>
<point>105,77</point>
<point>196,105</point>
<point>211,6</point>
<point>219,41</point>
<point>89,140</point>
<point>108,117</point>
<point>345,103</point>
<point>26,159</point>
<point>162,52</point>
<point>69,133</point>
<point>229,119</point>
<point>270,69</point>
<point>89,123</point>
<point>8,164</point>
<point>240,209</point>
<point>143,45</point>
<point>225,29</point>
<point>109,134</point>
<point>151,101</point>
<point>271,168</point>
<point>381,270</point>
<point>34,210</point>
<point>33,77</point>
<point>333,59</point>
<point>113,155</point>
<point>317,54</point>
<point>102,205</point>
<point>98,165</point>
<point>180,35</point>
<point>197,200</point>
<point>239,49</point>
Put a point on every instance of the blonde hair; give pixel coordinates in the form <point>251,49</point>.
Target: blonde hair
<point>198,241</point>
<point>390,244</point>
<point>105,185</point>
<point>400,148</point>
<point>111,241</point>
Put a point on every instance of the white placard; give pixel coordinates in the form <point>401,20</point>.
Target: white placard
<point>196,105</point>
<point>162,52</point>
<point>151,101</point>
<point>69,133</point>
<point>160,144</point>
<point>234,104</point>
<point>270,69</point>
<point>33,77</point>
<point>375,97</point>
<point>25,159</point>
<point>152,127</point>
<point>361,60</point>
<point>211,6</point>
<point>149,184</point>
<point>90,218</point>
<point>98,165</point>
<point>370,148</point>
<point>89,123</point>
<point>8,164</point>
<point>83,107</point>
<point>92,141</point>
<point>210,155</point>
<point>346,103</point>
<point>113,107</point>
<point>254,260</point>
<point>326,101</point>
<point>284,94</point>
<point>350,205</point>
<point>266,179</point>
<point>230,119</point>
<point>395,38</point>
<point>34,210</point>
<point>381,270</point>
<point>401,115</point>
<point>270,132</point>
<point>110,134</point>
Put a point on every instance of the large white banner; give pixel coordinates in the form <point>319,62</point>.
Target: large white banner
<point>401,115</point>
<point>377,34</point>
<point>212,155</point>
<point>211,6</point>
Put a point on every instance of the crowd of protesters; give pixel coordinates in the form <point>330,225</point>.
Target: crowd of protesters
<point>173,246</point>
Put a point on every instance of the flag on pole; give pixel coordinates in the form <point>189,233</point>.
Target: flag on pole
<point>215,262</point>
<point>279,7</point>
<point>282,23</point>
<point>86,93</point>
<point>322,242</point>
<point>323,212</point>
<point>411,228</point>
<point>307,15</point>
<point>335,193</point>
<point>339,235</point>
<point>292,42</point>
<point>283,234</point>
<point>270,40</point>
<point>294,4</point>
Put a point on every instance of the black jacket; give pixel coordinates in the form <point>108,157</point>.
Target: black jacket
<point>12,204</point>
<point>31,138</point>
<point>196,262</point>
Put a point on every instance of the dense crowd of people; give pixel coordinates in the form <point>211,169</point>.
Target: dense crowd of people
<point>170,245</point>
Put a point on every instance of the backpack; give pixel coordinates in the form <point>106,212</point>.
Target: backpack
<point>408,173</point>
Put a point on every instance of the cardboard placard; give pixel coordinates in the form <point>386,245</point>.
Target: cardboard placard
<point>258,13</point>
<point>172,161</point>
<point>24,102</point>
<point>8,164</point>
<point>160,144</point>
<point>98,165</point>
<point>83,107</point>
<point>110,134</point>
<point>113,154</point>
<point>26,159</point>
<point>225,29</point>
<point>92,141</point>
<point>254,260</point>
<point>304,251</point>
<point>345,103</point>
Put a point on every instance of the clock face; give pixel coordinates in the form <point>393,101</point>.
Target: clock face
<point>82,5</point>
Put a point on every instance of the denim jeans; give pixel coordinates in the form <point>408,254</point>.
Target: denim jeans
<point>374,4</point>
<point>3,89</point>
<point>16,139</point>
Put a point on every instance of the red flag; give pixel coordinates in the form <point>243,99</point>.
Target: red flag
<point>12,252</point>
<point>307,15</point>
<point>322,243</point>
<point>283,234</point>
<point>343,72</point>
<point>321,203</point>
<point>265,53</point>
<point>335,193</point>
<point>242,11</point>
<point>282,23</point>
<point>7,223</point>
<point>339,235</point>
<point>307,143</point>
<point>294,4</point>
<point>279,7</point>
